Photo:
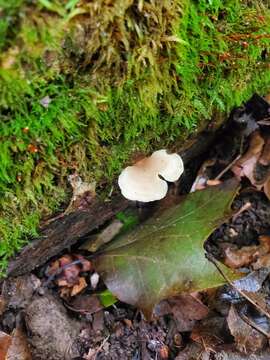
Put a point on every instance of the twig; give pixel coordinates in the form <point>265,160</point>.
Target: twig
<point>243,208</point>
<point>101,346</point>
<point>227,168</point>
<point>253,325</point>
<point>243,293</point>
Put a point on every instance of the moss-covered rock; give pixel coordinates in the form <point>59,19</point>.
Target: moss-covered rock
<point>118,77</point>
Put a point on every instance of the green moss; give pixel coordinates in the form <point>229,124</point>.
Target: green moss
<point>148,76</point>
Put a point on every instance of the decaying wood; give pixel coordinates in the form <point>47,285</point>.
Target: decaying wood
<point>64,232</point>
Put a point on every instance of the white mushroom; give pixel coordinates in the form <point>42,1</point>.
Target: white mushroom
<point>142,181</point>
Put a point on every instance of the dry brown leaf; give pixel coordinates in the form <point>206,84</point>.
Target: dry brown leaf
<point>265,155</point>
<point>78,287</point>
<point>256,254</point>
<point>237,258</point>
<point>185,308</point>
<point>246,164</point>
<point>246,338</point>
<point>67,271</point>
<point>85,304</point>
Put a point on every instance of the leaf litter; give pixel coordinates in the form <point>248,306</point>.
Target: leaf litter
<point>207,323</point>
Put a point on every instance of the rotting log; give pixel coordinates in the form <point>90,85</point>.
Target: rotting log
<point>65,231</point>
<point>62,233</point>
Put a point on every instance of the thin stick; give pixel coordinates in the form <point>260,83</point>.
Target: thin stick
<point>227,168</point>
<point>243,293</point>
<point>253,325</point>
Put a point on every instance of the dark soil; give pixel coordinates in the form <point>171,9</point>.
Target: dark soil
<point>55,332</point>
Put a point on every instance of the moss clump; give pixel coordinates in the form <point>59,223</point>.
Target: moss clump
<point>120,77</point>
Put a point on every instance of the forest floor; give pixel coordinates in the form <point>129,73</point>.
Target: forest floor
<point>85,87</point>
<point>43,317</point>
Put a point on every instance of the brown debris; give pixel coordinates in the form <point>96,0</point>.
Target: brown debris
<point>17,292</point>
<point>247,339</point>
<point>5,341</point>
<point>245,165</point>
<point>185,308</point>
<point>204,335</point>
<point>257,255</point>
<point>85,304</point>
<point>67,270</point>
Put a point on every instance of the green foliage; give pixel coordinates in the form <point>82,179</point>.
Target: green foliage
<point>139,84</point>
<point>164,256</point>
<point>9,20</point>
<point>107,298</point>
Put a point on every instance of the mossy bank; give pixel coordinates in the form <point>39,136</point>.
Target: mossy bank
<point>84,85</point>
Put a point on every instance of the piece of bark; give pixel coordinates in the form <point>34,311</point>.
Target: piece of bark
<point>62,233</point>
<point>52,334</point>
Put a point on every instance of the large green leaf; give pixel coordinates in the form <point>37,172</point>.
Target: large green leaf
<point>165,255</point>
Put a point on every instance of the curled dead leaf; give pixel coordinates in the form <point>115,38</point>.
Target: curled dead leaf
<point>246,164</point>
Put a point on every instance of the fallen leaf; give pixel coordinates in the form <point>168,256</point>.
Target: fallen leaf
<point>77,288</point>
<point>262,167</point>
<point>85,304</point>
<point>107,298</point>
<point>246,338</point>
<point>66,272</point>
<point>186,309</point>
<point>237,258</point>
<point>246,164</point>
<point>164,256</point>
<point>259,255</point>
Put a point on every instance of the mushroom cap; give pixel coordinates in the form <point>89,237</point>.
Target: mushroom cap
<point>170,166</point>
<point>142,181</point>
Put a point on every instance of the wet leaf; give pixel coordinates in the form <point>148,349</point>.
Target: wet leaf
<point>186,309</point>
<point>164,256</point>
